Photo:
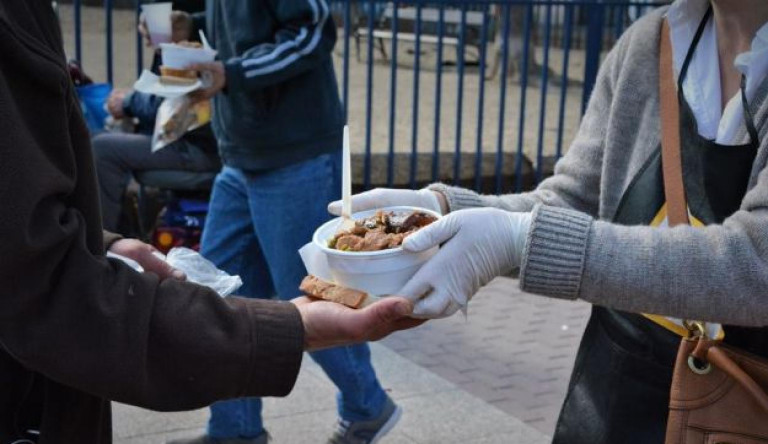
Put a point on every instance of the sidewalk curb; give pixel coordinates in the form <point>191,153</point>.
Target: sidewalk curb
<point>434,411</point>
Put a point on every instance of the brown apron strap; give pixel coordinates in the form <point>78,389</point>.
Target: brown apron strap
<point>671,160</point>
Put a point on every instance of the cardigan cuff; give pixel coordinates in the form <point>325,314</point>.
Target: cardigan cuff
<point>458,198</point>
<point>553,259</point>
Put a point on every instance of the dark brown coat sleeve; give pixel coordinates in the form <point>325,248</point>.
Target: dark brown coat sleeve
<point>82,320</point>
<point>110,238</point>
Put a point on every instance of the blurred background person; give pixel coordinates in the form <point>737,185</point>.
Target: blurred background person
<point>278,121</point>
<point>119,154</point>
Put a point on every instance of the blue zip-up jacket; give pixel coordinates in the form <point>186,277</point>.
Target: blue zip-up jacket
<point>281,103</point>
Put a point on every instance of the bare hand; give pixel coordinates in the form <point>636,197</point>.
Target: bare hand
<point>143,30</point>
<point>143,254</point>
<point>328,324</point>
<point>212,72</point>
<point>115,103</point>
<point>181,27</point>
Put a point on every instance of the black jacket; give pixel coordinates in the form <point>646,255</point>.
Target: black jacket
<point>281,103</point>
<point>77,329</point>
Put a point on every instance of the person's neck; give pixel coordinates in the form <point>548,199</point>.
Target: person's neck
<point>737,22</point>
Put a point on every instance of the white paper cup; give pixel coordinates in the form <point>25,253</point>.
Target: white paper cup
<point>179,57</point>
<point>158,19</point>
<point>381,272</point>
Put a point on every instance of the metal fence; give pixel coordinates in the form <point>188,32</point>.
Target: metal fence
<point>482,93</point>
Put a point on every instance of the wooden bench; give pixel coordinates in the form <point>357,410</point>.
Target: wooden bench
<point>430,16</point>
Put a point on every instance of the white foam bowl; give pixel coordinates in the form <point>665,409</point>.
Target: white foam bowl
<point>179,57</point>
<point>382,272</point>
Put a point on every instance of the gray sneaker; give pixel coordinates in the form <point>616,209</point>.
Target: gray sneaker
<point>367,432</point>
<point>205,439</point>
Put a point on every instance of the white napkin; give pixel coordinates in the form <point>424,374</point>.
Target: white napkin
<point>315,261</point>
<point>149,83</point>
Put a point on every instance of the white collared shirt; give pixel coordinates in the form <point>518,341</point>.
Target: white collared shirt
<point>701,85</point>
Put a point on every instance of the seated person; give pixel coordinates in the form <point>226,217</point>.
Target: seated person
<point>118,154</point>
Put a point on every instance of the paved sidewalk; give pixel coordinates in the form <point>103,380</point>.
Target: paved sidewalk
<point>514,350</point>
<point>434,411</point>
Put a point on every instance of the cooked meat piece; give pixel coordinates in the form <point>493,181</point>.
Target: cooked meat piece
<point>349,242</point>
<point>417,220</point>
<point>380,231</point>
<point>320,289</point>
<point>382,218</point>
<point>358,230</point>
<point>395,240</point>
<point>375,240</point>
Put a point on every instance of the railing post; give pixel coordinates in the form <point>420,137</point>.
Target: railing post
<point>502,95</point>
<point>543,97</point>
<point>108,24</point>
<point>460,94</point>
<point>596,13</point>
<point>392,96</point>
<point>369,96</point>
<point>345,69</point>
<point>481,102</point>
<point>78,32</point>
<point>139,42</point>
<point>527,25</point>
<point>567,34</point>
<point>415,112</point>
<point>438,94</point>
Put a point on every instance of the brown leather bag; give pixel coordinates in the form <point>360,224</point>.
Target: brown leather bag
<point>718,392</point>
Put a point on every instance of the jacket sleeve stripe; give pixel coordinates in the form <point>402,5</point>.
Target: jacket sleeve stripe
<point>321,15</point>
<point>277,51</point>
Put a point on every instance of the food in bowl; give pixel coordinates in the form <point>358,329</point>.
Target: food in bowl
<point>383,230</point>
<point>317,288</point>
<point>379,272</point>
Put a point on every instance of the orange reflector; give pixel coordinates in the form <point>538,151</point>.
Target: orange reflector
<point>165,239</point>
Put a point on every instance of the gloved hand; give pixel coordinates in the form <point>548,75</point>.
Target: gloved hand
<point>389,197</point>
<point>479,244</point>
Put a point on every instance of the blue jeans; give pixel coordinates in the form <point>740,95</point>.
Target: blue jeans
<point>255,226</point>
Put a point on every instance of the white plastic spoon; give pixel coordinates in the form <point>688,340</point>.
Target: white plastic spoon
<point>346,184</point>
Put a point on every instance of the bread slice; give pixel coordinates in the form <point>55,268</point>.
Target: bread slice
<point>172,76</point>
<point>320,289</point>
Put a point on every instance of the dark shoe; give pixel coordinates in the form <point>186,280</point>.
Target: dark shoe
<point>205,439</point>
<point>367,432</point>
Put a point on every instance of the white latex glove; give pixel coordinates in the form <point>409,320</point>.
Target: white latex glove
<point>479,244</point>
<point>389,197</point>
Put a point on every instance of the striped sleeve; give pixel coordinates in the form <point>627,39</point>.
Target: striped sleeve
<point>305,38</point>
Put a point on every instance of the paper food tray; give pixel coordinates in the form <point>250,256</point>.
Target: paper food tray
<point>149,83</point>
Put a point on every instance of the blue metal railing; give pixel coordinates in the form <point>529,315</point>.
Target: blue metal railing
<point>459,94</point>
<point>438,94</point>
<point>392,99</point>
<point>415,111</point>
<point>503,95</point>
<point>369,95</point>
<point>523,94</point>
<point>521,147</point>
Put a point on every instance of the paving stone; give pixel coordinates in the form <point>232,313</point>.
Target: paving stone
<point>434,411</point>
<point>513,350</point>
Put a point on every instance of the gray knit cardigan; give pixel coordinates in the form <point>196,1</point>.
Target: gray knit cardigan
<point>718,273</point>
